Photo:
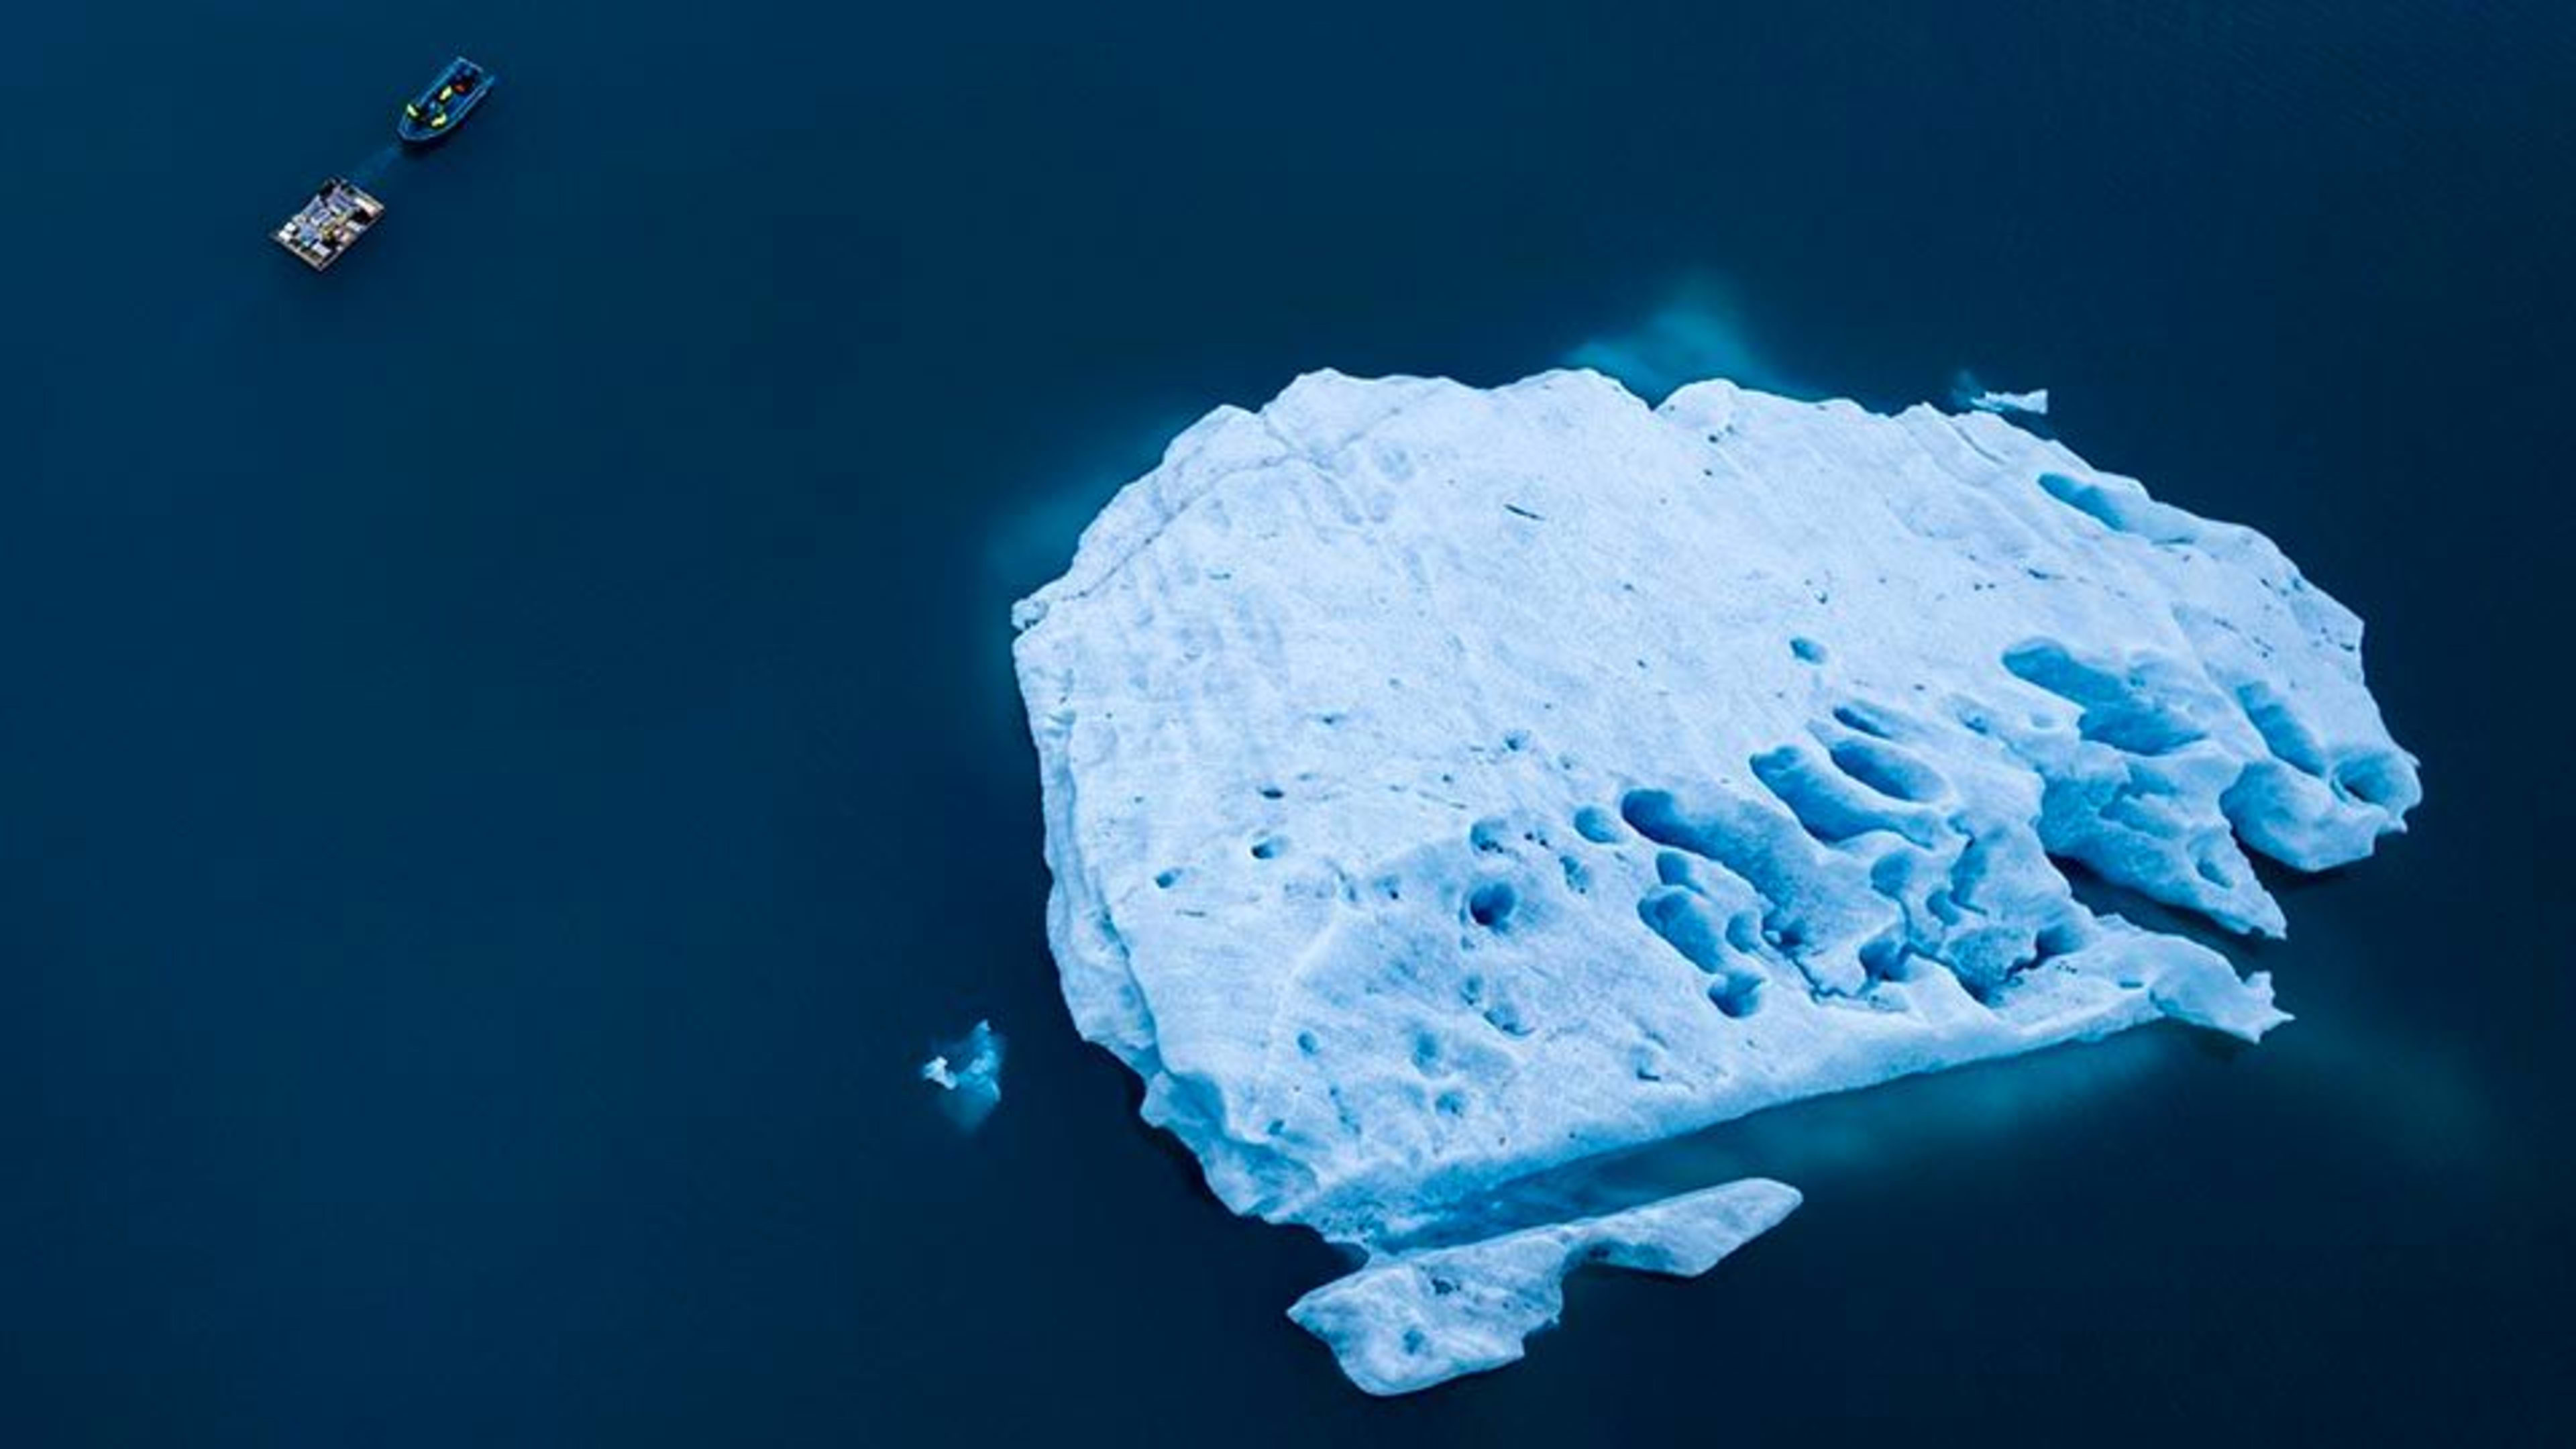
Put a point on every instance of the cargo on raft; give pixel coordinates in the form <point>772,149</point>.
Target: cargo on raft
<point>330,223</point>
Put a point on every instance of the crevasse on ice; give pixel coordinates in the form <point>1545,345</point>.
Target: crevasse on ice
<point>1443,786</point>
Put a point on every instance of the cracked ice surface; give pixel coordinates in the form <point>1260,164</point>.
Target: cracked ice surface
<point>1446,785</point>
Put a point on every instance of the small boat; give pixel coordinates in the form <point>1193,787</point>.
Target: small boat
<point>325,228</point>
<point>444,103</point>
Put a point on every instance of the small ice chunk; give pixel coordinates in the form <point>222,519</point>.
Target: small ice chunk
<point>2034,402</point>
<point>1968,393</point>
<point>969,1070</point>
<point>1407,1322</point>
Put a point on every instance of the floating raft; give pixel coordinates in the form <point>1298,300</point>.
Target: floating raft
<point>330,223</point>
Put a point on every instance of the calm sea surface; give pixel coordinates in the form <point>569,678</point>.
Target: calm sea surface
<point>508,753</point>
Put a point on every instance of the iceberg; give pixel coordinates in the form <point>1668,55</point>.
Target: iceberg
<point>1447,787</point>
<point>969,1071</point>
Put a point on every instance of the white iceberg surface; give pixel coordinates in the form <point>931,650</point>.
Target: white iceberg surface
<point>969,1071</point>
<point>1446,786</point>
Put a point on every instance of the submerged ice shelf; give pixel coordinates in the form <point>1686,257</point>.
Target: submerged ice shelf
<point>1410,1321</point>
<point>968,1072</point>
<point>1444,786</point>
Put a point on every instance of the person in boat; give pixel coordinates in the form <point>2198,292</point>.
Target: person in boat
<point>430,112</point>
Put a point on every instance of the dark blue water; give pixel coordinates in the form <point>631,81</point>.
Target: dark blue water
<point>507,750</point>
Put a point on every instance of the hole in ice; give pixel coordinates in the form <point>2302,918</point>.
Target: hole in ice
<point>1426,1052</point>
<point>1888,770</point>
<point>1166,879</point>
<point>1892,875</point>
<point>1272,792</point>
<point>2054,941</point>
<point>1737,996</point>
<point>1884,959</point>
<point>2118,711</point>
<point>2046,663</point>
<point>1687,925</point>
<point>1856,717</point>
<point>1489,835</point>
<point>2372,781</point>
<point>1491,904</point>
<point>1807,650</point>
<point>2081,497</point>
<point>2120,512</point>
<point>1829,814</point>
<point>1744,932</point>
<point>1658,816</point>
<point>1268,847</point>
<point>1307,1043</point>
<point>1597,825</point>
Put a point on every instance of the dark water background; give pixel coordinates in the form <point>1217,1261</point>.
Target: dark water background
<point>507,752</point>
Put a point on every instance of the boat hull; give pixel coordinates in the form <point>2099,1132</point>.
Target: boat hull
<point>440,108</point>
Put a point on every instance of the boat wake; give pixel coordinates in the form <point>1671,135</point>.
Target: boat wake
<point>368,172</point>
